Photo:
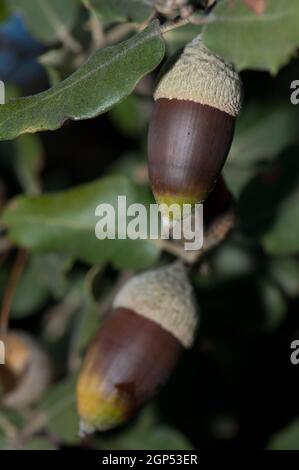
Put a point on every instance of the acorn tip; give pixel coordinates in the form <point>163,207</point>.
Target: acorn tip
<point>174,208</point>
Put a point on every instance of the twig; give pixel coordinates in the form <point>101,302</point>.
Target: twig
<point>119,32</point>
<point>37,422</point>
<point>215,234</point>
<point>174,25</point>
<point>192,19</point>
<point>172,248</point>
<point>96,30</point>
<point>143,25</point>
<point>5,245</point>
<point>5,248</point>
<point>9,429</point>
<point>62,31</point>
<point>17,270</point>
<point>69,41</point>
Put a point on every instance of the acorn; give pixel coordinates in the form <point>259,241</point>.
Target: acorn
<point>191,130</point>
<point>137,347</point>
<point>27,371</point>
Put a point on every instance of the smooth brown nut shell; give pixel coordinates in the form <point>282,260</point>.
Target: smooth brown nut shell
<point>188,145</point>
<point>129,359</point>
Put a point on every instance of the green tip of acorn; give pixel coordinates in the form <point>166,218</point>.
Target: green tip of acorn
<point>98,410</point>
<point>104,420</point>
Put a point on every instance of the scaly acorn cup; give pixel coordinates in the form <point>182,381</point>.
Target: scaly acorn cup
<point>153,319</point>
<point>192,127</point>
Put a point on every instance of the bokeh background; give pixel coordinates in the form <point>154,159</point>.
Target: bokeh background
<point>237,387</point>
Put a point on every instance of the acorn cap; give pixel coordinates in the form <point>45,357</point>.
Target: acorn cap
<point>204,77</point>
<point>164,296</point>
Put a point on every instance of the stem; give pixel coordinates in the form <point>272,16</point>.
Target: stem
<point>215,234</point>
<point>10,430</point>
<point>12,284</point>
<point>172,248</point>
<point>119,32</point>
<point>62,32</point>
<point>219,230</point>
<point>192,19</point>
<point>96,30</point>
<point>69,41</point>
<point>143,25</point>
<point>174,25</point>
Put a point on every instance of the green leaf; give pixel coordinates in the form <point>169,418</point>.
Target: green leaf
<point>3,442</point>
<point>88,322</point>
<point>262,133</point>
<point>263,42</point>
<point>130,116</point>
<point>3,10</point>
<point>11,424</point>
<point>157,438</point>
<point>58,64</point>
<point>60,413</point>
<point>52,269</point>
<point>103,81</point>
<point>39,443</point>
<point>285,272</point>
<point>282,238</point>
<point>44,276</point>
<point>91,312</point>
<point>146,434</point>
<point>268,204</point>
<point>130,164</point>
<point>59,318</point>
<point>176,39</point>
<point>27,162</point>
<point>286,439</point>
<point>66,222</point>
<point>31,293</point>
<point>274,303</point>
<point>229,261</point>
<point>122,10</point>
<point>48,20</point>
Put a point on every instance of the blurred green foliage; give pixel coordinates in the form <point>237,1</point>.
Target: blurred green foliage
<point>236,388</point>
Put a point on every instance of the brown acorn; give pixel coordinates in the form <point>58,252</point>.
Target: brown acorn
<point>137,347</point>
<point>27,371</point>
<point>192,127</point>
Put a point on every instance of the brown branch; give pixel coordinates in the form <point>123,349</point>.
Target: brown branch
<point>96,30</point>
<point>169,26</point>
<point>178,23</point>
<point>119,32</point>
<point>214,235</point>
